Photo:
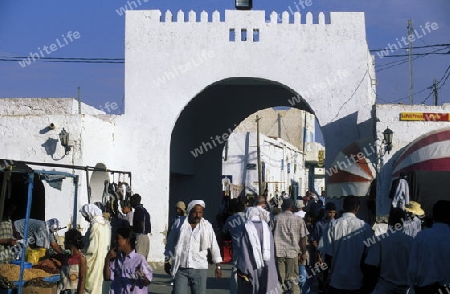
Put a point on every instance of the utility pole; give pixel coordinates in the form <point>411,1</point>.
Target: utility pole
<point>226,151</point>
<point>258,156</point>
<point>410,48</point>
<point>435,92</point>
<point>79,100</point>
<point>279,125</point>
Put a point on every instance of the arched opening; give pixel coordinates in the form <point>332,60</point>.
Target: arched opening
<point>198,135</point>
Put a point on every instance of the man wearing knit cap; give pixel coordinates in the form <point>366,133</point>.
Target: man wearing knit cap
<point>187,245</point>
<point>180,210</point>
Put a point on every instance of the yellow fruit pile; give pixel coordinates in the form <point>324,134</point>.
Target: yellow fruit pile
<point>11,272</point>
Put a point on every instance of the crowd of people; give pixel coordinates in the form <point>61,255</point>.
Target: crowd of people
<point>283,246</point>
<point>278,246</point>
<point>110,258</point>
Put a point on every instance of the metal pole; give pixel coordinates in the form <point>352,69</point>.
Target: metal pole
<point>279,125</point>
<point>75,202</point>
<point>79,100</point>
<point>258,155</point>
<point>25,230</point>
<point>226,151</point>
<point>88,186</point>
<point>435,92</point>
<point>5,184</point>
<point>410,49</point>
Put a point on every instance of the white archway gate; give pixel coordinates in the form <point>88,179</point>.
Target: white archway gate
<point>194,78</point>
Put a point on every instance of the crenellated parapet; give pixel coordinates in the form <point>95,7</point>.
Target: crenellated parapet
<point>248,25</point>
<point>204,17</point>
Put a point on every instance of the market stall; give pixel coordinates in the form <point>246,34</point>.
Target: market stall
<point>426,162</point>
<point>9,168</point>
<point>21,168</point>
<point>353,172</point>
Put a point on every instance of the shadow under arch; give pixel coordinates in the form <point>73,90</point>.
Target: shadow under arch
<point>203,125</point>
<point>17,194</point>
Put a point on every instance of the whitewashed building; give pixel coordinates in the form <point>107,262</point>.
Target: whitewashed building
<point>190,79</point>
<point>282,164</point>
<point>409,124</point>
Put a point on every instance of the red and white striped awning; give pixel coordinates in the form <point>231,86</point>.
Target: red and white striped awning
<point>430,152</point>
<point>352,172</point>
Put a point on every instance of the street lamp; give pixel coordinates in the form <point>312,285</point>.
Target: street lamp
<point>64,138</point>
<point>243,4</point>
<point>385,146</point>
<point>387,136</point>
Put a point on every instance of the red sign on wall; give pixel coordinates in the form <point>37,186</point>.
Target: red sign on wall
<point>424,116</point>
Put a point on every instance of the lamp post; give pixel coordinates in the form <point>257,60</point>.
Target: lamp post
<point>387,139</point>
<point>386,146</point>
<point>64,138</point>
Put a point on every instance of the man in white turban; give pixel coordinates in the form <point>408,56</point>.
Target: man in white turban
<point>97,240</point>
<point>187,245</point>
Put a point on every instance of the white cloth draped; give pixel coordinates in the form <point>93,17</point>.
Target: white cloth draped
<point>207,241</point>
<point>401,197</point>
<point>261,252</point>
<point>89,211</point>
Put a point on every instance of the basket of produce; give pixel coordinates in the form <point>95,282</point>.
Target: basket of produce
<point>49,265</point>
<point>10,275</point>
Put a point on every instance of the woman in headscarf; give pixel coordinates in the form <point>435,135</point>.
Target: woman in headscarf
<point>97,240</point>
<point>257,272</point>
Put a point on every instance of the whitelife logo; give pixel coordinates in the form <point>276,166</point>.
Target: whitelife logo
<point>129,6</point>
<point>429,27</point>
<point>53,47</point>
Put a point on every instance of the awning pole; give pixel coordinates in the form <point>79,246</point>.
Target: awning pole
<point>25,231</point>
<point>88,185</point>
<point>6,178</point>
<point>75,202</point>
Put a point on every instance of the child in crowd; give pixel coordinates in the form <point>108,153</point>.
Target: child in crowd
<point>127,270</point>
<point>73,270</point>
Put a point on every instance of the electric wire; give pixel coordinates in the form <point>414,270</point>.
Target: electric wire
<point>446,78</point>
<point>426,98</point>
<point>417,47</point>
<point>406,60</point>
<point>446,71</point>
<point>122,60</point>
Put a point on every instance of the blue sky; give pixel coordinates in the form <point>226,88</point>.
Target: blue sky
<point>26,26</point>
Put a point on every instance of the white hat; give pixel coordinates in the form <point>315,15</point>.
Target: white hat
<point>300,204</point>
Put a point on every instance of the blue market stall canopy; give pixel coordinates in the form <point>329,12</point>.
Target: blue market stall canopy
<point>352,171</point>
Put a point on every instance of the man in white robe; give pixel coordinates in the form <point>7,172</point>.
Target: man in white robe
<point>188,244</point>
<point>97,243</point>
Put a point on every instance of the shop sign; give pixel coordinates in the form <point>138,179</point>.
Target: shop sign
<point>321,158</point>
<point>424,116</point>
